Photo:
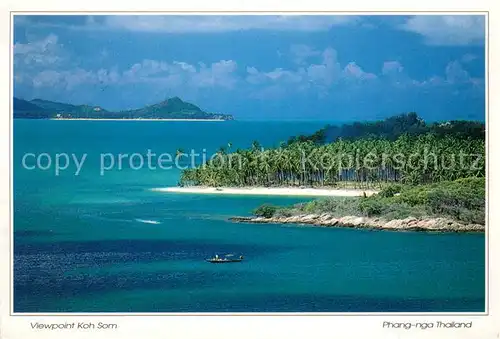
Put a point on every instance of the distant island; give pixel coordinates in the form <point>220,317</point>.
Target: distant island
<point>170,109</point>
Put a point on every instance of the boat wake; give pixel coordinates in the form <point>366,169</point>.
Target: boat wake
<point>145,221</point>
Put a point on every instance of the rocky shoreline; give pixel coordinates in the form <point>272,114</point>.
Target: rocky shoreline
<point>408,224</point>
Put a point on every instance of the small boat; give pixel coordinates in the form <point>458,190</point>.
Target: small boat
<point>226,259</point>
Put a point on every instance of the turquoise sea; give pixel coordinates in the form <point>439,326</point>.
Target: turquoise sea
<point>84,244</point>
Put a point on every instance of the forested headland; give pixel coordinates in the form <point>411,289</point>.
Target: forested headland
<point>438,152</point>
<point>421,169</point>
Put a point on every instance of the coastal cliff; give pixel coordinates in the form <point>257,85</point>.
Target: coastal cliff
<point>407,224</point>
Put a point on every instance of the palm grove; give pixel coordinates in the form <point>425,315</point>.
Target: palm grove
<point>422,170</point>
<point>401,149</point>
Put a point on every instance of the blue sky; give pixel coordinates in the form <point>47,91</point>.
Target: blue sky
<point>258,67</point>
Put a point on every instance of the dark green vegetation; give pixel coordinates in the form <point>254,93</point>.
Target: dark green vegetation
<point>422,170</point>
<point>266,211</point>
<point>66,109</point>
<point>361,163</point>
<point>173,108</point>
<point>462,200</point>
<point>394,127</point>
<point>27,110</point>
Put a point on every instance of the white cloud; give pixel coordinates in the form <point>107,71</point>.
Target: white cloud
<point>469,58</point>
<point>77,77</point>
<point>328,71</point>
<point>219,74</point>
<point>46,79</point>
<point>325,73</point>
<point>105,76</point>
<point>159,73</point>
<point>185,66</point>
<point>392,67</point>
<point>38,64</point>
<point>319,76</point>
<point>455,73</point>
<point>448,29</point>
<point>394,73</point>
<point>224,23</point>
<point>255,77</point>
<point>42,52</point>
<point>67,80</point>
<point>278,75</point>
<point>145,69</point>
<point>301,53</point>
<point>353,71</point>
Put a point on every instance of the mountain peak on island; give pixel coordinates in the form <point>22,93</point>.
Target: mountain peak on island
<point>174,99</point>
<point>174,104</point>
<point>171,108</point>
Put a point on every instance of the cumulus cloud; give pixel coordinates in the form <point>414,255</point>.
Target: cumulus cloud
<point>302,53</point>
<point>105,76</point>
<point>353,71</point>
<point>47,78</point>
<point>41,52</point>
<point>392,67</point>
<point>278,76</point>
<point>166,74</point>
<point>68,80</point>
<point>327,72</point>
<point>394,72</point>
<point>322,75</point>
<point>44,63</point>
<point>219,74</point>
<point>254,76</point>
<point>39,64</point>
<point>145,69</point>
<point>455,73</point>
<point>448,29</point>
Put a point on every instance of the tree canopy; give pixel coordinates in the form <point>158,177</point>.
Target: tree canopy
<point>392,128</point>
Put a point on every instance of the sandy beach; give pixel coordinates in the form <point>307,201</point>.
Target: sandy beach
<point>286,191</point>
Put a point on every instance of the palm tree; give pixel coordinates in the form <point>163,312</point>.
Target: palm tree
<point>285,165</point>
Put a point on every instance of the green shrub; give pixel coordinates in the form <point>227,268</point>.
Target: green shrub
<point>284,212</point>
<point>371,206</point>
<point>337,207</point>
<point>266,211</point>
<point>414,196</point>
<point>462,200</point>
<point>473,216</point>
<point>402,211</point>
<point>390,191</point>
<point>313,206</point>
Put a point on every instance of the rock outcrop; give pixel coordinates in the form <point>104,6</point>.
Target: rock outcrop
<point>408,224</point>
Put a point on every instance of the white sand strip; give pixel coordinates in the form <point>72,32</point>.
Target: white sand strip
<point>269,191</point>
